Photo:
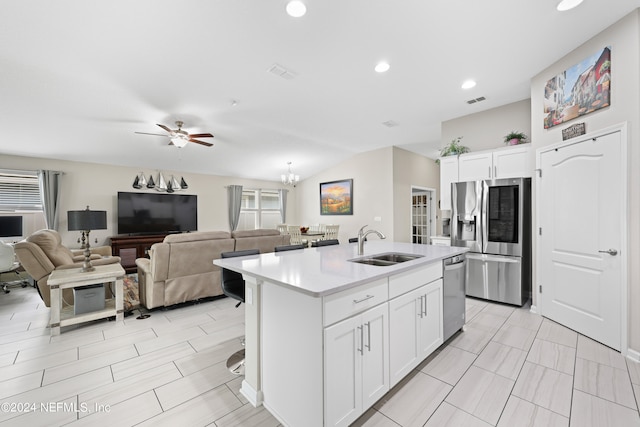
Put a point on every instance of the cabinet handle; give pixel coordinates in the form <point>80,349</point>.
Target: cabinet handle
<point>495,171</point>
<point>425,305</point>
<point>368,335</point>
<point>421,308</point>
<point>361,338</point>
<point>489,168</point>
<point>358,301</point>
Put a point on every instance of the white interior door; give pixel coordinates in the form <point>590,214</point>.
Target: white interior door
<point>581,203</point>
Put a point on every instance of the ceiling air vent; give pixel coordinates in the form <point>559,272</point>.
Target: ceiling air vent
<point>391,124</point>
<point>280,71</point>
<point>473,101</point>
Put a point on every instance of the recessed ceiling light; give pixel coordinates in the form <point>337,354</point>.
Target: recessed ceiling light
<point>296,8</point>
<point>382,67</point>
<point>567,4</point>
<point>468,84</point>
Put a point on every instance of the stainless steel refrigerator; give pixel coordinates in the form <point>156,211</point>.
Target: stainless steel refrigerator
<point>493,219</point>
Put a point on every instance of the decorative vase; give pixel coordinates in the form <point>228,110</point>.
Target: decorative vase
<point>514,141</point>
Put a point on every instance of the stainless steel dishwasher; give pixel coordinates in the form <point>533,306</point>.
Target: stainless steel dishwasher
<point>454,292</point>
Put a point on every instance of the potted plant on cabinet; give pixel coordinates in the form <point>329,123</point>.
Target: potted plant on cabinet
<point>454,148</point>
<point>515,138</point>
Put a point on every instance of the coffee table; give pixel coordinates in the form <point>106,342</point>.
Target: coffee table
<point>73,278</point>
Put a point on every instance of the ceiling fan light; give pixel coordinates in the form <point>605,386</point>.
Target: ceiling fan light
<point>179,141</point>
<point>565,5</point>
<point>296,9</point>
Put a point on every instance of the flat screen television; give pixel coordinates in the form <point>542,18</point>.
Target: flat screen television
<point>149,213</point>
<point>11,226</point>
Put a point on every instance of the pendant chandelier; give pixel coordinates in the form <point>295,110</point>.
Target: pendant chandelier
<point>160,183</point>
<point>289,178</point>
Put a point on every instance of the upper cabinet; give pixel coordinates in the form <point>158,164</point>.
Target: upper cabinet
<point>511,162</point>
<point>448,174</point>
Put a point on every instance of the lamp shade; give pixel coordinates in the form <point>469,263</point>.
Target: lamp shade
<point>87,220</point>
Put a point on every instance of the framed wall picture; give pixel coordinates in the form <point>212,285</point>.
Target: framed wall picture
<point>336,197</point>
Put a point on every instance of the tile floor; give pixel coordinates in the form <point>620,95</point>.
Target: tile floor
<point>510,368</point>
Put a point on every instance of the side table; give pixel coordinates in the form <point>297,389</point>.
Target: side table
<point>73,278</point>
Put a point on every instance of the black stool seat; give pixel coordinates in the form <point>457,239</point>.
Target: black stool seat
<point>289,247</point>
<point>232,282</point>
<point>330,242</point>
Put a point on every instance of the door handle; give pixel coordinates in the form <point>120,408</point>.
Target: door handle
<point>611,252</point>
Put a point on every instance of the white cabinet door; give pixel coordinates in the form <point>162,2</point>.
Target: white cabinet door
<point>403,332</point>
<point>430,320</point>
<point>375,355</point>
<point>356,370</point>
<point>415,328</point>
<point>512,163</point>
<point>448,174</point>
<point>475,167</point>
<point>343,372</point>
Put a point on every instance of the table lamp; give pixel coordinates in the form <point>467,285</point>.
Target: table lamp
<point>86,221</point>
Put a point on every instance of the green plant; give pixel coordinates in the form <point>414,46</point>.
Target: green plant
<point>453,148</point>
<point>520,137</point>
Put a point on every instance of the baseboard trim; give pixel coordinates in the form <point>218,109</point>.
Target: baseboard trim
<point>633,355</point>
<point>254,397</point>
<point>534,309</point>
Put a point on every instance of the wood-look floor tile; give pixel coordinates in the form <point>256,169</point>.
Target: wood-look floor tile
<point>501,359</point>
<point>545,387</point>
<point>235,385</point>
<point>520,413</point>
<point>168,339</point>
<point>552,355</point>
<point>248,416</point>
<point>471,311</point>
<point>111,344</point>
<point>8,358</point>
<point>58,346</point>
<point>21,384</point>
<point>179,391</point>
<point>525,319</point>
<point>482,394</point>
<point>554,332</point>
<point>472,339</point>
<point>199,411</point>
<point>592,411</point>
<point>77,367</point>
<point>449,416</point>
<point>208,356</point>
<point>400,405</point>
<point>449,365</point>
<point>499,309</point>
<point>126,413</point>
<point>127,388</point>
<point>515,336</point>
<point>7,328</point>
<point>604,381</point>
<point>487,322</point>
<point>596,352</point>
<point>634,371</point>
<point>56,416</point>
<point>151,360</point>
<point>34,365</point>
<point>373,418</point>
<point>217,337</point>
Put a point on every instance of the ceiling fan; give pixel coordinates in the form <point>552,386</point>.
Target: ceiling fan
<point>179,137</point>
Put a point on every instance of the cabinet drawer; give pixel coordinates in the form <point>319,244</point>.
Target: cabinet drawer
<point>412,279</point>
<point>352,301</point>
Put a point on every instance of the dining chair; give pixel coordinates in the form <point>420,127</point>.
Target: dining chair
<point>282,228</point>
<point>296,236</point>
<point>331,231</point>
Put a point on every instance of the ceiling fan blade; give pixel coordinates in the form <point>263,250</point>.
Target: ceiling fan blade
<point>200,135</point>
<point>146,133</point>
<point>206,144</point>
<point>165,128</point>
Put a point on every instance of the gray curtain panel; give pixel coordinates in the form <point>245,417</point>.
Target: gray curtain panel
<point>283,204</point>
<point>234,198</point>
<point>50,193</point>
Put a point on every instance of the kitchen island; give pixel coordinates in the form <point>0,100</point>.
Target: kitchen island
<point>326,337</point>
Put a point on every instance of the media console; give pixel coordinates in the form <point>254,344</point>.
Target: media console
<point>128,248</point>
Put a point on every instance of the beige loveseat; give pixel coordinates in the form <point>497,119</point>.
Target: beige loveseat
<point>181,268</point>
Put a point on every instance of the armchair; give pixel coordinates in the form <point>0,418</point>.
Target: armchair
<point>42,252</point>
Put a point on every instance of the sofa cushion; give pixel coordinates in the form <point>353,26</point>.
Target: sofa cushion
<point>265,240</point>
<point>197,236</point>
<point>255,233</point>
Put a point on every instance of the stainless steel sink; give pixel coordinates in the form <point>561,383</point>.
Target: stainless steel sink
<point>396,257</point>
<point>384,260</point>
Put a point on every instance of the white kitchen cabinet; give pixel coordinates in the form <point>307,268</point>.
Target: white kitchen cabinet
<point>415,328</point>
<point>448,174</point>
<point>510,162</point>
<point>356,365</point>
<point>441,240</point>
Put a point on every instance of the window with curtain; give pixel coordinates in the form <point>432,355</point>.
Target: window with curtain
<point>260,209</point>
<point>19,191</point>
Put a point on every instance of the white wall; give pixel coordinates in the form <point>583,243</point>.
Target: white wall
<point>97,185</point>
<point>624,39</point>
<point>486,130</point>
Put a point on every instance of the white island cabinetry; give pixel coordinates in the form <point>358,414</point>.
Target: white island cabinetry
<point>332,336</point>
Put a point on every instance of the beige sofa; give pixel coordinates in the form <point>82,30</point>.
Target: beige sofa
<point>181,268</point>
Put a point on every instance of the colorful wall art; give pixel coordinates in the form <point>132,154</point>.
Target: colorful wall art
<point>336,197</point>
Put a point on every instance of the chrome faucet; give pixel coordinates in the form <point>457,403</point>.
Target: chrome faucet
<point>362,237</point>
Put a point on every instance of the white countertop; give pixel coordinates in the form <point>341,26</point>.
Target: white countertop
<point>326,270</point>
